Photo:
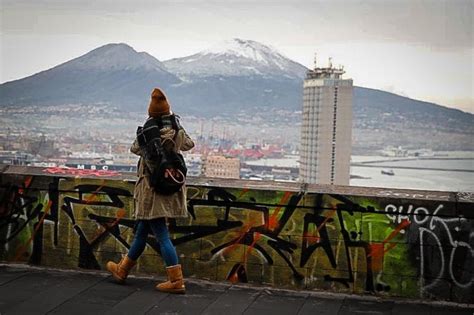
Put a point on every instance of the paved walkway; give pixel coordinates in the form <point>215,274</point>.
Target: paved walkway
<point>27,290</point>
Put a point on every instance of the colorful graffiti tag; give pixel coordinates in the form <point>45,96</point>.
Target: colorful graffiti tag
<point>299,239</point>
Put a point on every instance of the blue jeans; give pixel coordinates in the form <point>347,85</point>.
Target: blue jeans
<point>159,229</point>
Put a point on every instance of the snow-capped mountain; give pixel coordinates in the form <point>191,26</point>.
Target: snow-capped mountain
<point>236,57</point>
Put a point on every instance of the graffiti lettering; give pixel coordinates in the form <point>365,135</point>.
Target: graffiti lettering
<point>347,242</point>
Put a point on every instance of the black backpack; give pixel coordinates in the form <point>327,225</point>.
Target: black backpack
<point>165,167</point>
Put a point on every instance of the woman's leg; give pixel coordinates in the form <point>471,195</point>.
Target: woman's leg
<point>160,230</point>
<point>121,269</point>
<point>139,240</point>
<point>175,283</point>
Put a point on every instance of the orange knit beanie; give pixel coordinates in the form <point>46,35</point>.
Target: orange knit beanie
<point>158,104</point>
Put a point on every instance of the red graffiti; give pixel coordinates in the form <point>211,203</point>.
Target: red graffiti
<point>243,192</point>
<point>315,238</point>
<point>79,172</point>
<point>257,236</point>
<point>25,246</point>
<point>273,221</point>
<point>28,181</point>
<point>241,234</point>
<point>378,250</point>
<point>119,215</point>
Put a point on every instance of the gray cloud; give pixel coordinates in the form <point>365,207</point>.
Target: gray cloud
<point>440,24</point>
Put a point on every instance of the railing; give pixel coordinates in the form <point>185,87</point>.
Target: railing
<point>417,244</point>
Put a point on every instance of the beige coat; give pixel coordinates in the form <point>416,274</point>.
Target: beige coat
<point>149,204</point>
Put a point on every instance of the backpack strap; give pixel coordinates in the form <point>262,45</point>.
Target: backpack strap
<point>159,121</point>
<point>169,173</point>
<point>174,124</point>
<point>147,134</point>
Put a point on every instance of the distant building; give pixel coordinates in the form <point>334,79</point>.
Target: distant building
<point>394,152</point>
<point>326,130</point>
<point>41,146</point>
<point>194,164</point>
<point>222,167</point>
<point>285,169</point>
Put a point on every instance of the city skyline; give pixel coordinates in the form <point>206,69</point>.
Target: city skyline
<point>416,49</point>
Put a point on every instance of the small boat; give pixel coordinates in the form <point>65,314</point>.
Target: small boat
<point>388,172</point>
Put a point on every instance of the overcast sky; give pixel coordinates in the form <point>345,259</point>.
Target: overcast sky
<point>420,49</point>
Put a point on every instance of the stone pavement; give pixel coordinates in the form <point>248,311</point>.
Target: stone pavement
<point>30,290</point>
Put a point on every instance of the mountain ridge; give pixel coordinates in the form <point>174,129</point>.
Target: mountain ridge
<point>120,56</point>
<point>113,73</point>
<point>119,75</point>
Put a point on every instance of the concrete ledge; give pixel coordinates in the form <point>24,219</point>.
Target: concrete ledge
<point>248,184</point>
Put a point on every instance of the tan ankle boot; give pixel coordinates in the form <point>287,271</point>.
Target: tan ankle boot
<point>120,271</point>
<point>175,283</point>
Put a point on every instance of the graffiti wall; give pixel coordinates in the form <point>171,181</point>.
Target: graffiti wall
<point>382,243</point>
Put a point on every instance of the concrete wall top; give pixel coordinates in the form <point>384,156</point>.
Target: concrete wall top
<point>452,196</point>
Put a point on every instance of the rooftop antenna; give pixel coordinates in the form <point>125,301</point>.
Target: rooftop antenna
<point>330,62</point>
<point>315,61</point>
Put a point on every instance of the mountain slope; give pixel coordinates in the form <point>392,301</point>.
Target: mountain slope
<point>379,108</point>
<point>114,74</point>
<point>227,95</point>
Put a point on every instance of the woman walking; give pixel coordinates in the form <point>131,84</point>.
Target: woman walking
<point>152,208</point>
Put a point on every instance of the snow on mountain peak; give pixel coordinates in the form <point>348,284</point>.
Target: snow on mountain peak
<point>236,57</point>
<point>242,48</point>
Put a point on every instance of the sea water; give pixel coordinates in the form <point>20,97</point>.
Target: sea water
<point>419,178</point>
